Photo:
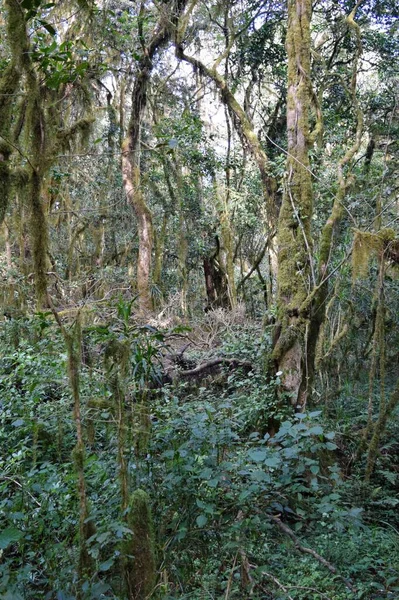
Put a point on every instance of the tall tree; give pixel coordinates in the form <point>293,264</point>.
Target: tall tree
<point>295,262</point>
<point>162,33</point>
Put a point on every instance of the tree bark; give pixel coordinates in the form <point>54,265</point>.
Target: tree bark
<point>132,184</point>
<point>131,172</point>
<point>294,235</point>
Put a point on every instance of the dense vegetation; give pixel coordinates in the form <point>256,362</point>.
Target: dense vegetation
<point>200,297</point>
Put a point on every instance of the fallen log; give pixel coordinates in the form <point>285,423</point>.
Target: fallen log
<point>207,367</point>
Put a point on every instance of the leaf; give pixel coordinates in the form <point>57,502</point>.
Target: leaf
<point>9,536</point>
<point>273,461</point>
<point>18,423</point>
<point>213,483</point>
<point>315,413</point>
<point>257,455</point>
<point>48,27</point>
<point>315,430</point>
<point>331,446</point>
<point>105,566</point>
<point>201,520</point>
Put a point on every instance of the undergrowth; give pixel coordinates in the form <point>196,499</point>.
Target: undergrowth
<point>217,480</point>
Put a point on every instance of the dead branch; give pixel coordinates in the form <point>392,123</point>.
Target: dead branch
<point>288,531</point>
<point>232,363</point>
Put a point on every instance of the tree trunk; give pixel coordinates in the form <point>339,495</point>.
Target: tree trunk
<point>132,184</point>
<point>131,146</point>
<point>215,281</point>
<point>294,236</point>
<point>317,305</point>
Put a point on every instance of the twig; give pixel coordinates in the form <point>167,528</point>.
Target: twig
<point>230,580</point>
<point>278,584</point>
<point>22,487</point>
<point>288,531</point>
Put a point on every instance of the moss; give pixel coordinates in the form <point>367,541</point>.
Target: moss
<point>39,235</point>
<point>142,423</point>
<point>379,429</point>
<point>17,36</point>
<point>81,128</point>
<point>367,245</point>
<point>78,456</point>
<point>295,269</point>
<point>139,552</point>
<point>4,187</point>
<point>8,86</point>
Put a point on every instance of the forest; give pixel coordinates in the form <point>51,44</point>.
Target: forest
<point>199,299</point>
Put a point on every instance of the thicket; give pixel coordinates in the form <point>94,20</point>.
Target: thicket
<point>199,300</point>
<point>233,509</point>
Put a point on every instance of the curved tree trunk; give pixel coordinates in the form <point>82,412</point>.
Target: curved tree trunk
<point>245,130</point>
<point>317,301</point>
<point>131,146</point>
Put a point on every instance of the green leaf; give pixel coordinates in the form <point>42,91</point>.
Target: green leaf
<point>273,461</point>
<point>105,566</point>
<point>315,413</point>
<point>331,446</point>
<point>213,483</point>
<point>201,520</point>
<point>9,536</point>
<point>48,27</point>
<point>257,455</point>
<point>316,430</point>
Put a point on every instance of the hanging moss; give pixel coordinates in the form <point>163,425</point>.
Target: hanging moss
<point>139,552</point>
<point>367,245</point>
<point>81,128</point>
<point>8,86</point>
<point>142,427</point>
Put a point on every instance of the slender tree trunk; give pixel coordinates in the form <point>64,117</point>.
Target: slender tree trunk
<point>159,247</point>
<point>294,236</point>
<point>245,130</point>
<point>131,146</point>
<point>317,306</point>
<point>134,193</point>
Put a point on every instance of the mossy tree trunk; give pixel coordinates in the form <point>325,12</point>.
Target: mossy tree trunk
<point>244,128</point>
<point>318,302</point>
<point>131,171</point>
<point>73,343</point>
<point>294,235</point>
<point>139,553</point>
<point>226,250</point>
<point>216,283</point>
<point>9,83</point>
<point>379,428</point>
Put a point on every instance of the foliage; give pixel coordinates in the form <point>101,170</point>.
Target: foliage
<point>174,436</point>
